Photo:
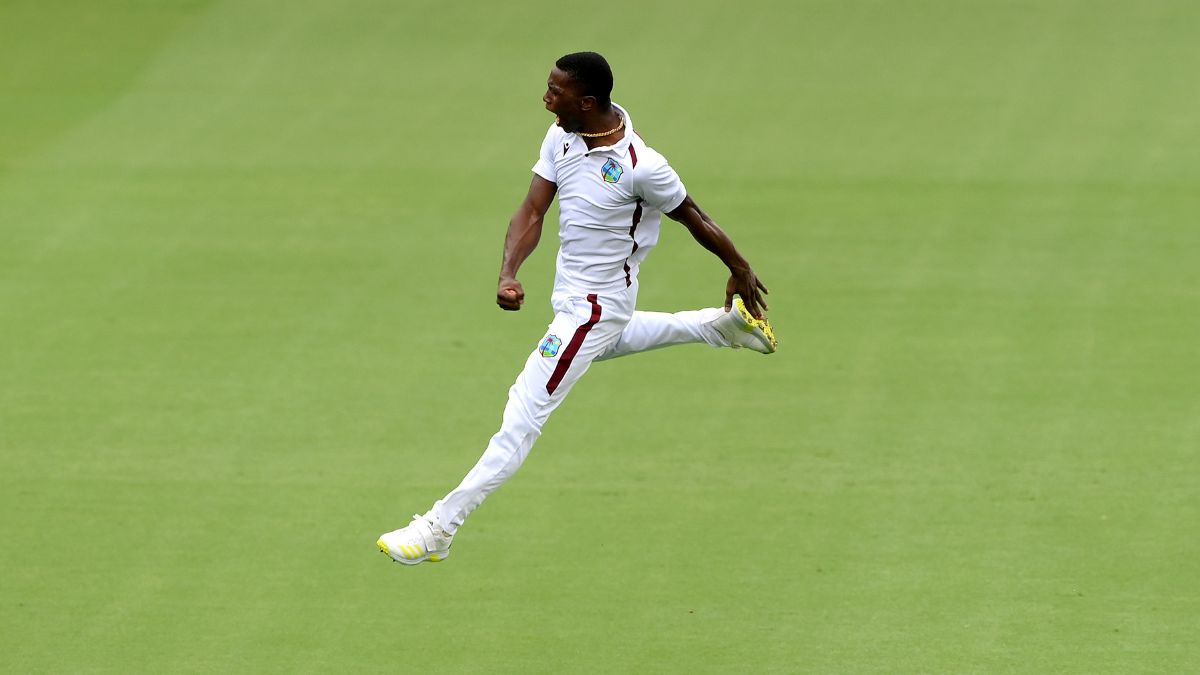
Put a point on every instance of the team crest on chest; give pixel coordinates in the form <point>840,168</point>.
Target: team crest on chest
<point>611,171</point>
<point>549,346</point>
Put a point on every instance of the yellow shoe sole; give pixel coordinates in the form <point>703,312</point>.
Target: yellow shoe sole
<point>763,325</point>
<point>410,558</point>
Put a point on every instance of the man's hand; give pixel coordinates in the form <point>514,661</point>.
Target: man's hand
<point>745,283</point>
<point>510,295</point>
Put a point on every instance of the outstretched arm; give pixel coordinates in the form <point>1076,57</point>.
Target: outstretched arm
<point>742,279</point>
<point>524,231</point>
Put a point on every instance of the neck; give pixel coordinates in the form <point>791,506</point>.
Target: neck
<point>608,121</point>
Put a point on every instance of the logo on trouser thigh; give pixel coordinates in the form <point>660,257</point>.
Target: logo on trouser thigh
<point>550,346</point>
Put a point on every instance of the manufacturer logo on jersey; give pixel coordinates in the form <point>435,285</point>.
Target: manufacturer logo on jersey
<point>611,171</point>
<point>549,346</point>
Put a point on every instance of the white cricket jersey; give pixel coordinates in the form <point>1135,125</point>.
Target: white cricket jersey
<point>610,201</point>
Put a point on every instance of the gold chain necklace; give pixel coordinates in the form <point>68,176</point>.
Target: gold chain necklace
<point>602,134</point>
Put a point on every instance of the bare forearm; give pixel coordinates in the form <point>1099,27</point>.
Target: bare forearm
<point>524,232</point>
<point>710,235</point>
<point>742,280</point>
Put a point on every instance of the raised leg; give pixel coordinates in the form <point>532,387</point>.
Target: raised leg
<point>654,330</point>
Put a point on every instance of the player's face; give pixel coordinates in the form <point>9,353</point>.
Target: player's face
<point>563,99</point>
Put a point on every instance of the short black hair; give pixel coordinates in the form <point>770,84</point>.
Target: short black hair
<point>591,72</point>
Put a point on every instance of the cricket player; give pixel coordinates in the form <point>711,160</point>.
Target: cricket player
<point>612,191</point>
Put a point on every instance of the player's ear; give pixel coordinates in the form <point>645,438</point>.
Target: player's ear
<point>586,103</point>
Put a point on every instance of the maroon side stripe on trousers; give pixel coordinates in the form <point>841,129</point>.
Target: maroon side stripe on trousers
<point>564,362</point>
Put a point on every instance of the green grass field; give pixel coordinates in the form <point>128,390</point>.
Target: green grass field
<point>248,254</point>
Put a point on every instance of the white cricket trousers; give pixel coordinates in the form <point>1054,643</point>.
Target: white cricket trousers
<point>586,328</point>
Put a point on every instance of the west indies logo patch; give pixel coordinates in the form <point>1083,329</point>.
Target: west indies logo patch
<point>611,171</point>
<point>549,346</point>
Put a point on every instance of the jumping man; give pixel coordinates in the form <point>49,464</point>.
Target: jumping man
<point>612,191</point>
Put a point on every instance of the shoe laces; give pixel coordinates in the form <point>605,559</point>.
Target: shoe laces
<point>434,526</point>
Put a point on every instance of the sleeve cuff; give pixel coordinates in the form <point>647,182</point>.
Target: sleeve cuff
<point>544,171</point>
<point>674,202</point>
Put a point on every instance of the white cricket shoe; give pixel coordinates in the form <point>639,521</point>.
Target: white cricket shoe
<point>741,329</point>
<point>422,540</point>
